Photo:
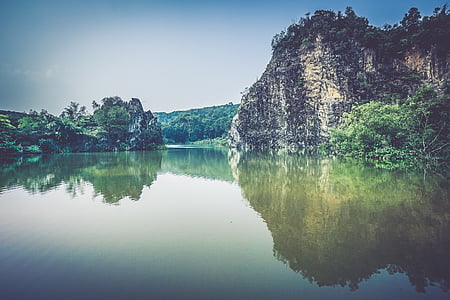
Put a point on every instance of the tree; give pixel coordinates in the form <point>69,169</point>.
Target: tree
<point>113,117</point>
<point>6,130</point>
<point>375,131</point>
<point>431,134</point>
<point>73,112</point>
<point>412,19</point>
<point>397,135</point>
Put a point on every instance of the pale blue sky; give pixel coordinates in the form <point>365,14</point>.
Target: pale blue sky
<point>170,54</point>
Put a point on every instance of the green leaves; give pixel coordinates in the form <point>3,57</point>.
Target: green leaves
<point>390,41</point>
<point>6,129</point>
<point>77,131</point>
<point>396,135</point>
<point>113,119</point>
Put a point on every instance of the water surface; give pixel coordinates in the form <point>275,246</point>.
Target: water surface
<point>193,223</point>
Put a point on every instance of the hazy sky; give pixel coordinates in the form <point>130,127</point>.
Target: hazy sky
<point>170,54</point>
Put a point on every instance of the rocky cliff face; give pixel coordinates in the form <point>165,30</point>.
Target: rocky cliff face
<point>143,127</point>
<point>305,91</point>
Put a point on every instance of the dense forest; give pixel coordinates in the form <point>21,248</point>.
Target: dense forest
<point>108,128</point>
<point>201,125</point>
<point>391,40</point>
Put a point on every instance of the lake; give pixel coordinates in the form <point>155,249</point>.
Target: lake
<point>204,223</point>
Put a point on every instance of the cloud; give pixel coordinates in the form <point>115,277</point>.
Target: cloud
<point>33,74</point>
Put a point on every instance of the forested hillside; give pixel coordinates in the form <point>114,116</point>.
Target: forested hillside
<point>208,124</point>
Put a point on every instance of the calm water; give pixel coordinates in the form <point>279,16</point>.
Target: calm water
<point>191,223</point>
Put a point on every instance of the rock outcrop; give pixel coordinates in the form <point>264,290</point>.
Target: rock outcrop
<point>143,128</point>
<point>126,126</point>
<point>308,86</point>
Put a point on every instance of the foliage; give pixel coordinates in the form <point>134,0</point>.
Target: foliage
<point>113,118</point>
<point>397,135</point>
<point>74,112</point>
<point>218,141</point>
<point>74,130</point>
<point>342,29</point>
<point>6,129</point>
<point>33,149</point>
<point>8,148</point>
<point>209,123</point>
<point>43,126</point>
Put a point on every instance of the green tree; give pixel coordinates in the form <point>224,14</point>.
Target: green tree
<point>397,135</point>
<point>74,112</point>
<point>376,131</point>
<point>430,136</point>
<point>113,118</point>
<point>7,132</point>
<point>6,129</point>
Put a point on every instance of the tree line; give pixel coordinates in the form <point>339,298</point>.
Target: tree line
<point>342,29</point>
<point>201,125</point>
<point>74,130</point>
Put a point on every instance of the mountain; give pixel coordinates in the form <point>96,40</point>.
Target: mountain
<point>328,63</point>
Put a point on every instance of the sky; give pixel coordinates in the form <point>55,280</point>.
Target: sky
<point>173,55</point>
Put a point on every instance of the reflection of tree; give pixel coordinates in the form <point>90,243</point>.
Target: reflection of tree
<point>337,223</point>
<point>120,175</point>
<point>210,163</point>
<point>113,175</point>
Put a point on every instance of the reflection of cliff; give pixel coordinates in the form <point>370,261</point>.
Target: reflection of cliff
<point>338,223</point>
<point>209,163</point>
<point>113,175</point>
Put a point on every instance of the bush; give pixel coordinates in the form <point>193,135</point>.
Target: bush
<point>9,148</point>
<point>33,149</point>
<point>397,135</point>
<point>48,145</point>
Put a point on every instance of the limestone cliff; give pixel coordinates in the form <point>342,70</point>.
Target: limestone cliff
<point>143,128</point>
<point>313,79</point>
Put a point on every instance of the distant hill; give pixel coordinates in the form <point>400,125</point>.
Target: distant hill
<point>194,125</point>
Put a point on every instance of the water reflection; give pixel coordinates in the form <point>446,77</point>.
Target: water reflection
<point>338,223</point>
<point>334,222</point>
<point>209,163</point>
<point>114,176</point>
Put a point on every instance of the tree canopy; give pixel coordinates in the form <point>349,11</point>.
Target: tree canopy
<point>413,132</point>
<point>341,29</point>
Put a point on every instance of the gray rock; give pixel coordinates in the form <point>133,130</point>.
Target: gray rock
<point>143,129</point>
<point>305,91</point>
